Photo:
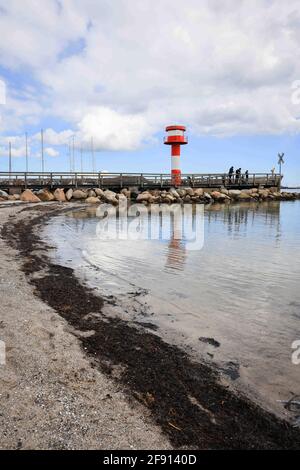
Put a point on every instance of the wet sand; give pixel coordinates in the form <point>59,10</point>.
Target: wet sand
<point>51,394</point>
<point>146,377</point>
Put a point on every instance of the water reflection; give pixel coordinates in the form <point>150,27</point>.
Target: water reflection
<point>170,228</point>
<point>241,288</point>
<point>176,252</point>
<point>235,216</point>
<point>238,216</point>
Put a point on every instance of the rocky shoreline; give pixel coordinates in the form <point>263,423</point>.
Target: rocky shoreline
<point>185,399</point>
<point>171,196</point>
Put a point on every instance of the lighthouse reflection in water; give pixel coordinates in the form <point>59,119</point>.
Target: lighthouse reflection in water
<point>180,226</point>
<point>238,284</point>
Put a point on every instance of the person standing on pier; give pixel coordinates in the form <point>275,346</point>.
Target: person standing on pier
<point>238,175</point>
<point>230,173</point>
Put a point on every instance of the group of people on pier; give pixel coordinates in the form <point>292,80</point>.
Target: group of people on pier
<point>237,176</point>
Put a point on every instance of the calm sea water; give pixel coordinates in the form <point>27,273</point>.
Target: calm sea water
<point>234,302</point>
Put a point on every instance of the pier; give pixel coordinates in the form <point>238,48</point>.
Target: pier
<point>115,181</point>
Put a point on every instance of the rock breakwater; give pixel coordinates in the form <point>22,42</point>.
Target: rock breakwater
<point>156,196</point>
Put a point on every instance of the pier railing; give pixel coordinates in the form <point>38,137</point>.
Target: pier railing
<point>142,180</point>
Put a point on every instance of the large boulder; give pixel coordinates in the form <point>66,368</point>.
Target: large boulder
<point>217,196</point>
<point>244,197</point>
<point>190,191</point>
<point>45,195</point>
<point>79,194</point>
<point>28,196</point>
<point>3,195</point>
<point>246,191</point>
<point>288,196</point>
<point>92,200</point>
<point>174,193</point>
<point>199,192</point>
<point>207,196</point>
<point>181,192</point>
<point>110,197</point>
<point>170,198</point>
<point>99,192</point>
<point>145,196</point>
<point>126,192</point>
<point>263,193</point>
<point>91,193</point>
<point>234,193</point>
<point>69,194</point>
<point>224,191</point>
<point>14,197</point>
<point>59,195</point>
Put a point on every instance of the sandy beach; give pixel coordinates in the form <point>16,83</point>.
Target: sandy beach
<point>76,379</point>
<point>51,396</point>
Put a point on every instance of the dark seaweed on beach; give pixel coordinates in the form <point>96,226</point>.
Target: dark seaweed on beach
<point>185,398</point>
<point>210,341</point>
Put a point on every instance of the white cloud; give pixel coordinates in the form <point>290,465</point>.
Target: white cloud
<point>40,31</point>
<point>15,151</point>
<point>220,68</point>
<point>112,130</point>
<point>51,137</point>
<point>51,152</point>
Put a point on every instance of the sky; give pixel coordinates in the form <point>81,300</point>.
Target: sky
<point>111,74</point>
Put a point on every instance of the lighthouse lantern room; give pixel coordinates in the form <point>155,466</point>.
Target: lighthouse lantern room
<point>175,137</point>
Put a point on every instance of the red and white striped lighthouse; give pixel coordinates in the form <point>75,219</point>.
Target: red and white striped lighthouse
<point>176,138</point>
